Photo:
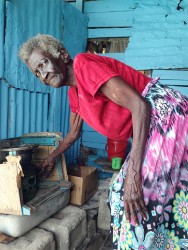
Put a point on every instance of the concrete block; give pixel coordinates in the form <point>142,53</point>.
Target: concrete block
<point>103,220</point>
<point>69,227</point>
<point>91,228</point>
<point>36,239</point>
<point>15,225</point>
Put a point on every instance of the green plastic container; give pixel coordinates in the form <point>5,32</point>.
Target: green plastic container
<point>116,163</point>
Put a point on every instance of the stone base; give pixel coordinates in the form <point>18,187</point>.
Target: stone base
<point>69,227</point>
<point>36,239</point>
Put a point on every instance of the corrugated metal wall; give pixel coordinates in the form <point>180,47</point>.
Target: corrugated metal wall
<point>19,112</point>
<point>1,38</point>
<point>26,104</point>
<point>157,32</point>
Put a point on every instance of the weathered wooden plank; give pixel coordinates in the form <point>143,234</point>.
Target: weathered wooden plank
<point>59,171</point>
<point>156,43</point>
<point>155,62</point>
<point>105,6</point>
<point>178,83</point>
<point>152,51</point>
<point>111,19</point>
<point>181,75</point>
<point>156,27</point>
<point>182,90</point>
<point>161,18</point>
<point>109,32</point>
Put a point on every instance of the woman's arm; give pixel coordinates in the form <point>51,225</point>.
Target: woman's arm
<point>124,95</point>
<point>74,133</point>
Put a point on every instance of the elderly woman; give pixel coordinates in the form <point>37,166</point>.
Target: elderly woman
<point>148,199</point>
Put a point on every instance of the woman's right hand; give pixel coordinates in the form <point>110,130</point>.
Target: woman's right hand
<point>46,168</point>
<point>133,197</point>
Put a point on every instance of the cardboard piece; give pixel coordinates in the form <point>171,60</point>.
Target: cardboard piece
<point>10,186</point>
<point>85,184</point>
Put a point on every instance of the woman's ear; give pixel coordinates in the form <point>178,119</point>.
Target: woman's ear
<point>65,55</point>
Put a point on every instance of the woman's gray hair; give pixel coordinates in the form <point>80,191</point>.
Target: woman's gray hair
<point>45,43</point>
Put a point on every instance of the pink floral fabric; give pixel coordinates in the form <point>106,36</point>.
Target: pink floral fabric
<point>165,178</point>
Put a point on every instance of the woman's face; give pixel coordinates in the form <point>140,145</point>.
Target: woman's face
<point>50,70</point>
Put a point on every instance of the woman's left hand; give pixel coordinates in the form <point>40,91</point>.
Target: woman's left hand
<point>133,197</point>
<point>46,168</point>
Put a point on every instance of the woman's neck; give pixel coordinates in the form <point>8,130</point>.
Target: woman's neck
<point>71,80</point>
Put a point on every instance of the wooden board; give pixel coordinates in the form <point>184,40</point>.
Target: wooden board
<point>41,153</point>
<point>10,186</point>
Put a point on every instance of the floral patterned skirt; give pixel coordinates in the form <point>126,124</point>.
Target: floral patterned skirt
<point>165,179</point>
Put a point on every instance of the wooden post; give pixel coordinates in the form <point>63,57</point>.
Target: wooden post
<point>79,5</point>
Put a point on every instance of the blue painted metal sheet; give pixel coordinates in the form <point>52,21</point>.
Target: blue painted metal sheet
<point>30,105</point>
<point>25,19</point>
<point>4,102</point>
<point>20,112</point>
<point>1,38</point>
<point>75,30</point>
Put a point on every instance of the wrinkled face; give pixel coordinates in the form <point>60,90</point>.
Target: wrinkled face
<point>50,70</point>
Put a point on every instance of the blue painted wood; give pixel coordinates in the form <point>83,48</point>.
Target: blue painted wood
<point>109,32</point>
<point>40,140</point>
<point>175,82</point>
<point>174,75</point>
<point>159,36</point>
<point>155,62</point>
<point>79,5</point>
<point>182,90</point>
<point>158,39</point>
<point>109,6</point>
<point>109,19</point>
